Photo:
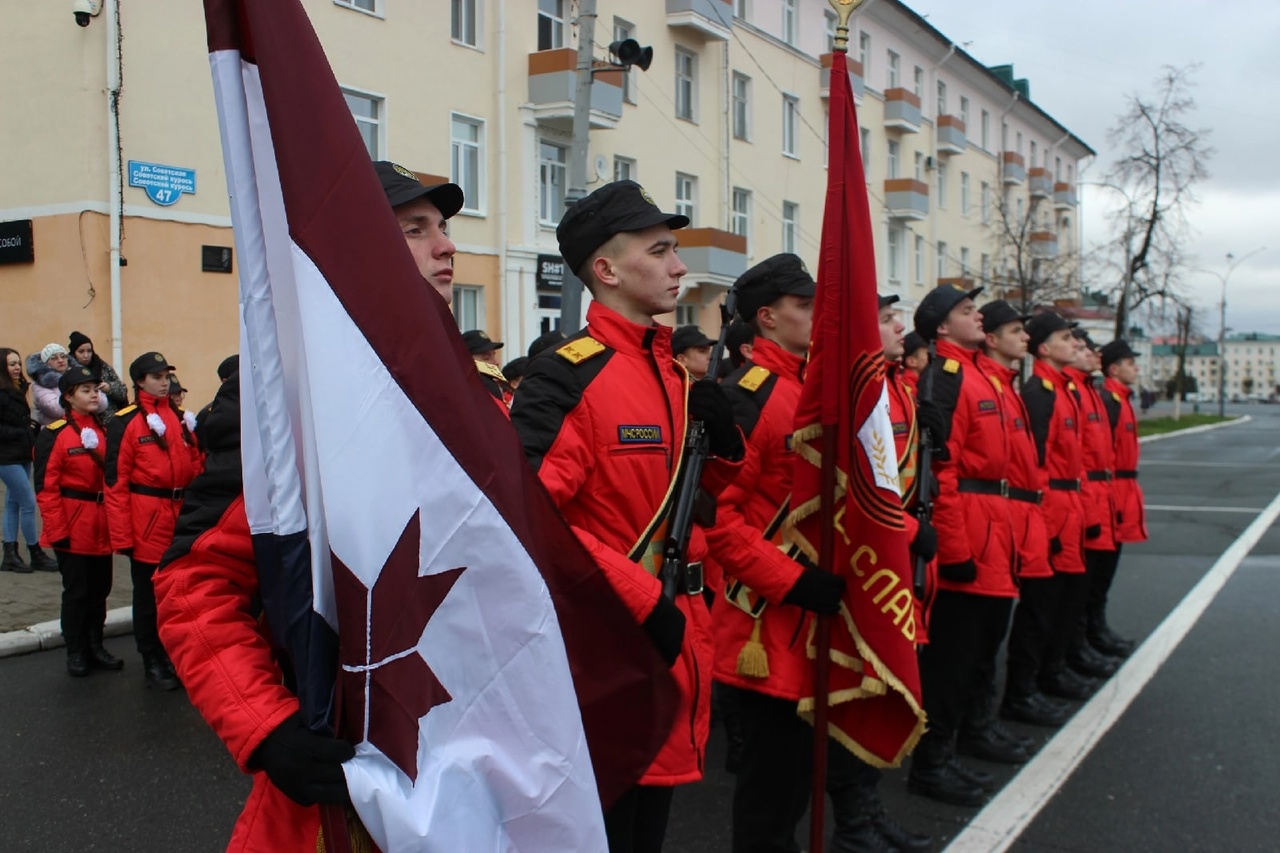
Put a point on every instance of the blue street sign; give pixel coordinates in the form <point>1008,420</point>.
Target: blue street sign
<point>163,183</point>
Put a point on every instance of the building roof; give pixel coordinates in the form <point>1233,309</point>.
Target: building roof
<point>1206,348</point>
<point>1253,336</point>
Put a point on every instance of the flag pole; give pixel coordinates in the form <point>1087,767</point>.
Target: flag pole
<point>826,552</point>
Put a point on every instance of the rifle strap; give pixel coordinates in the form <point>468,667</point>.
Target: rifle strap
<point>649,547</point>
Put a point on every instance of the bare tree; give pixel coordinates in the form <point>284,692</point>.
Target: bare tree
<point>1033,269</point>
<point>1161,162</point>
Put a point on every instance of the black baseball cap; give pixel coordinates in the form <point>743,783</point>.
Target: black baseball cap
<point>998,313</point>
<point>1042,325</point>
<point>545,341</point>
<point>402,186</point>
<point>149,362</point>
<point>1117,350</point>
<point>687,337</point>
<point>937,304</point>
<point>229,367</point>
<point>887,299</point>
<point>615,208</point>
<point>478,342</point>
<point>913,342</point>
<point>770,280</point>
<point>78,375</point>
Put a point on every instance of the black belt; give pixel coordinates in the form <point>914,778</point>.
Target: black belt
<point>1099,476</point>
<point>80,495</point>
<point>689,581</point>
<point>983,487</point>
<point>1065,485</point>
<point>1127,475</point>
<point>153,492</point>
<point>1025,495</point>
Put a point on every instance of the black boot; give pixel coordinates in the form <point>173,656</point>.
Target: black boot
<point>1102,638</point>
<point>902,839</point>
<point>99,657</point>
<point>13,561</point>
<point>985,744</point>
<point>1003,733</point>
<point>40,561</point>
<point>1035,708</point>
<point>158,675</point>
<point>933,775</point>
<point>984,780</point>
<point>1065,683</point>
<point>858,836</point>
<point>77,663</point>
<point>1086,660</point>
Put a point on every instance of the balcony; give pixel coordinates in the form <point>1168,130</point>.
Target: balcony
<point>951,138</point>
<point>1044,244</point>
<point>1064,196</point>
<point>906,198</point>
<point>1013,167</point>
<point>1040,183</point>
<point>712,256</point>
<point>709,18</point>
<point>553,81</point>
<point>855,77</point>
<point>902,110</point>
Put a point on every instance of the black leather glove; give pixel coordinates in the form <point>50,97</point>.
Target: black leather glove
<point>305,766</point>
<point>818,591</point>
<point>1093,531</point>
<point>925,545</point>
<point>1055,545</point>
<point>665,627</point>
<point>932,418</point>
<point>708,403</point>
<point>966,572</point>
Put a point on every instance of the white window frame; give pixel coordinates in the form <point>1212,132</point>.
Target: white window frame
<point>919,260</point>
<point>687,196</point>
<point>473,201</point>
<point>790,126</point>
<point>964,113</point>
<point>942,185</point>
<point>741,96</point>
<point>942,259</point>
<point>985,271</point>
<point>1031,160</point>
<point>557,23</point>
<point>986,130</point>
<point>741,9</point>
<point>893,265</point>
<point>623,30</point>
<point>468,306</point>
<point>985,203</point>
<point>964,261</point>
<point>964,194</point>
<point>893,70</point>
<point>790,227</point>
<point>624,168</point>
<point>686,314</point>
<point>553,169</point>
<point>461,14</point>
<point>917,82</point>
<point>864,53</point>
<point>378,122</point>
<point>891,158</point>
<point>740,214</point>
<point>376,11</point>
<point>865,141</point>
<point>942,98</point>
<point>918,164</point>
<point>790,21</point>
<point>686,95</point>
<point>829,24</point>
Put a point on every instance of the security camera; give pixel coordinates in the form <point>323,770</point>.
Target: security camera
<point>85,9</point>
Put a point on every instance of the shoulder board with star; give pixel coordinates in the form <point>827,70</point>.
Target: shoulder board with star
<point>579,350</point>
<point>57,425</point>
<point>951,366</point>
<point>754,378</point>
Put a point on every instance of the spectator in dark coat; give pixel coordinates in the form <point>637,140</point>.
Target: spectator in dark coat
<point>16,441</point>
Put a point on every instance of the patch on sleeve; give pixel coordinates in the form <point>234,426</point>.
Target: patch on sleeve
<point>754,378</point>
<point>951,366</point>
<point>639,434</point>
<point>579,350</point>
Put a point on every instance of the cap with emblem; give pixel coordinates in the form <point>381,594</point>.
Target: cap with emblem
<point>770,280</point>
<point>687,337</point>
<point>615,208</point>
<point>1041,326</point>
<point>402,186</point>
<point>175,384</point>
<point>998,313</point>
<point>913,343</point>
<point>78,375</point>
<point>1117,350</point>
<point>887,299</point>
<point>149,362</point>
<point>479,343</point>
<point>937,304</point>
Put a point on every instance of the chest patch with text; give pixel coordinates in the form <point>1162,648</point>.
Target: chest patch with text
<point>987,407</point>
<point>638,434</point>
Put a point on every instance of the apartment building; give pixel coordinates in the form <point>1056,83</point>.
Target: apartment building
<point>1252,364</point>
<point>968,178</point>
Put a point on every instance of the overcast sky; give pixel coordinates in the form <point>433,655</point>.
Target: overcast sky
<point>1083,58</point>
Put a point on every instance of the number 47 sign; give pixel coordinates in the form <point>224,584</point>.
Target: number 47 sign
<point>163,184</point>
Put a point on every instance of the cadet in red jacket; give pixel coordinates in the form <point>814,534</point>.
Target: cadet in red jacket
<point>602,419</point>
<point>976,586</point>
<point>1121,373</point>
<point>68,479</point>
<point>151,457</point>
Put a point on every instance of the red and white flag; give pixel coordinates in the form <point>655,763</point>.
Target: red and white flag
<point>481,671</point>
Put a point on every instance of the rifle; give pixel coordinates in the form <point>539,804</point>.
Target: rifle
<point>925,484</point>
<point>674,564</point>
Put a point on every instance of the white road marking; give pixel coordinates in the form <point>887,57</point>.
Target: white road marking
<point>997,827</point>
<point>1164,508</point>
<point>1146,439</point>
<point>1183,464</point>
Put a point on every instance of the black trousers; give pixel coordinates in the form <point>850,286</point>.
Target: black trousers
<point>1102,573</point>
<point>637,822</point>
<point>145,634</point>
<point>1066,625</point>
<point>86,583</point>
<point>771,790</point>
<point>851,786</point>
<point>958,663</point>
<point>1033,623</point>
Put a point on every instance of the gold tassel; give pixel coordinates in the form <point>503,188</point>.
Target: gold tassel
<point>753,661</point>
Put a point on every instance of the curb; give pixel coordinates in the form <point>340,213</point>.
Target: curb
<point>48,635</point>
<point>1243,419</point>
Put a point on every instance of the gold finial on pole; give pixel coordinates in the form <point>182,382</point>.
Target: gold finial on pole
<point>844,8</point>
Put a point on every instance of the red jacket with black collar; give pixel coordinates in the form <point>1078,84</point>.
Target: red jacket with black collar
<point>69,485</point>
<point>1099,463</point>
<point>1055,426</point>
<point>1131,517</point>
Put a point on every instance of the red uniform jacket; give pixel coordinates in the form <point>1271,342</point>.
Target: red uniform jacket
<point>1026,478</point>
<point>602,420</point>
<point>1131,517</point>
<point>906,441</point>
<point>1055,425</point>
<point>69,486</point>
<point>138,458</point>
<point>971,525</point>
<point>1095,441</point>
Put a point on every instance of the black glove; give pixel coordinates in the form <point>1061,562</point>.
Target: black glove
<point>966,572</point>
<point>665,627</point>
<point>932,418</point>
<point>709,404</point>
<point>925,545</point>
<point>818,591</point>
<point>305,766</point>
<point>1055,545</point>
<point>61,544</point>
<point>1093,531</point>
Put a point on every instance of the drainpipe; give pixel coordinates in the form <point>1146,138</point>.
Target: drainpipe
<point>500,36</point>
<point>113,178</point>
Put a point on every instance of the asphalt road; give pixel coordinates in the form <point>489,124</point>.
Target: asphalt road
<point>1193,764</point>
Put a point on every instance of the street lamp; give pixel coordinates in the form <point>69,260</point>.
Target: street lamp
<point>1232,263</point>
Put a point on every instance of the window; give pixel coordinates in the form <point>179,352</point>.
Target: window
<point>740,9</point>
<point>789,21</point>
<point>1018,221</point>
<point>986,131</point>
<point>686,77</point>
<point>1070,169</point>
<point>985,270</point>
<point>893,70</point>
<point>866,148</point>
<point>942,186</point>
<point>686,314</point>
<point>623,30</point>
<point>1004,136</point>
<point>986,203</point>
<point>740,218</point>
<point>864,53</point>
<point>917,81</point>
<point>550,24</point>
<point>466,143</point>
<point>1057,168</point>
<point>964,111</point>
<point>942,259</point>
<point>919,261</point>
<point>892,158</point>
<point>964,193</point>
<point>964,261</point>
<point>686,193</point>
<point>1032,162</point>
<point>895,253</point>
<point>367,111</point>
<point>624,169</point>
<point>551,182</point>
<point>467,306</point>
<point>790,120</point>
<point>741,106</point>
<point>942,98</point>
<point>790,225</point>
<point>462,21</point>
<point>919,171</point>
<point>1018,137</point>
<point>829,23</point>
<point>370,6</point>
